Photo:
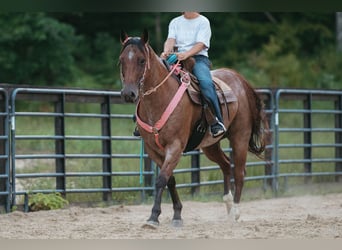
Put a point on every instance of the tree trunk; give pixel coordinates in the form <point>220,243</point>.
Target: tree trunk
<point>158,34</point>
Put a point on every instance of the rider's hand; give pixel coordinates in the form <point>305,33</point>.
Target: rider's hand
<point>164,55</point>
<point>182,56</point>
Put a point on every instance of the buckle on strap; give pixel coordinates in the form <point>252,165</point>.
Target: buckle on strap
<point>155,130</point>
<point>185,78</point>
<point>156,138</point>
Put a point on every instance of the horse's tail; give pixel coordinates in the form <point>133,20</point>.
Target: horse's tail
<point>260,127</point>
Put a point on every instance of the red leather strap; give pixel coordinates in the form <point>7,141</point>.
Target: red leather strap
<point>165,116</point>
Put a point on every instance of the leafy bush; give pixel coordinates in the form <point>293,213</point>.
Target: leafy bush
<point>46,201</point>
<point>98,58</point>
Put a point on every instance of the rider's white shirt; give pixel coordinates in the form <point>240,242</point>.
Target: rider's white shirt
<point>188,32</point>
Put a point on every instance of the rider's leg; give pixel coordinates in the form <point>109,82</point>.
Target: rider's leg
<point>202,71</point>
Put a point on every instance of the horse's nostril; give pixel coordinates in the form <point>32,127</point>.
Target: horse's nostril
<point>129,96</point>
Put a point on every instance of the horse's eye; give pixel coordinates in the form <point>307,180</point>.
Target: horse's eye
<point>142,61</point>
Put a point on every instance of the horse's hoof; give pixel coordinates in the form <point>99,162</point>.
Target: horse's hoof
<point>177,223</point>
<point>151,224</point>
<point>228,200</point>
<point>234,213</point>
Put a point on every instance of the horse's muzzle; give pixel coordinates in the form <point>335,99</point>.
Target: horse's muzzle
<point>129,95</point>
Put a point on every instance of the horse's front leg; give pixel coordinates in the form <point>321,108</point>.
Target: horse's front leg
<point>153,221</point>
<point>177,205</point>
<point>172,157</point>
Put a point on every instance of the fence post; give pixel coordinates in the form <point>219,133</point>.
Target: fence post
<point>269,139</point>
<point>308,137</point>
<point>106,149</point>
<point>275,155</point>
<point>338,136</point>
<point>195,174</point>
<point>148,179</point>
<point>2,160</point>
<point>4,168</point>
<point>60,144</point>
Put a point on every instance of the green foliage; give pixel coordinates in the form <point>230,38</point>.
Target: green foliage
<point>278,70</point>
<point>298,55</point>
<point>35,49</point>
<point>46,201</point>
<point>78,49</point>
<point>98,58</point>
<point>295,50</point>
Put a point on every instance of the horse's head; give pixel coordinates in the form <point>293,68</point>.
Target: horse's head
<point>134,61</point>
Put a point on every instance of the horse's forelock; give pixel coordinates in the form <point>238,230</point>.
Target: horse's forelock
<point>134,41</point>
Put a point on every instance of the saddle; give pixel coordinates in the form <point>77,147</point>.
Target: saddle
<point>225,96</point>
<point>223,91</point>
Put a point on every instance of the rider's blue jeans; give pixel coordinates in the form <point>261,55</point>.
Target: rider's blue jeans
<point>202,71</point>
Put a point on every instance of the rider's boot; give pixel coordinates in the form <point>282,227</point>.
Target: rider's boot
<point>217,129</point>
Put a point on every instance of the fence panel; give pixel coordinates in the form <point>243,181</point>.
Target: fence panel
<point>4,152</point>
<point>70,147</point>
<point>308,134</point>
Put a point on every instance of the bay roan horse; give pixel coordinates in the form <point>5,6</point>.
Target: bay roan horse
<point>147,81</point>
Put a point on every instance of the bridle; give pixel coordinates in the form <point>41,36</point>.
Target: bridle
<point>146,51</point>
<point>147,67</point>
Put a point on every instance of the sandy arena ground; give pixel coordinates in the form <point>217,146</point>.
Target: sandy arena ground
<point>306,217</point>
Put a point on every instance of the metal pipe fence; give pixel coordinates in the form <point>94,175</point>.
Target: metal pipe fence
<point>80,143</point>
<point>4,152</point>
<point>307,129</point>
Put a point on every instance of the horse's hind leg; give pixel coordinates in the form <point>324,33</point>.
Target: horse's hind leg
<point>177,205</point>
<point>239,144</point>
<point>215,154</point>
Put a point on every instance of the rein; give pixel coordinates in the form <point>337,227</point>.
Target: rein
<point>152,90</point>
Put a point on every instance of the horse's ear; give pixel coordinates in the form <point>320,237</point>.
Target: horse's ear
<point>144,36</point>
<point>123,37</point>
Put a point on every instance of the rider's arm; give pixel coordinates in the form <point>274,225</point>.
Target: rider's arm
<point>191,52</point>
<point>168,47</point>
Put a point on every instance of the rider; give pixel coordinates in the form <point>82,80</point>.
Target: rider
<point>191,33</point>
